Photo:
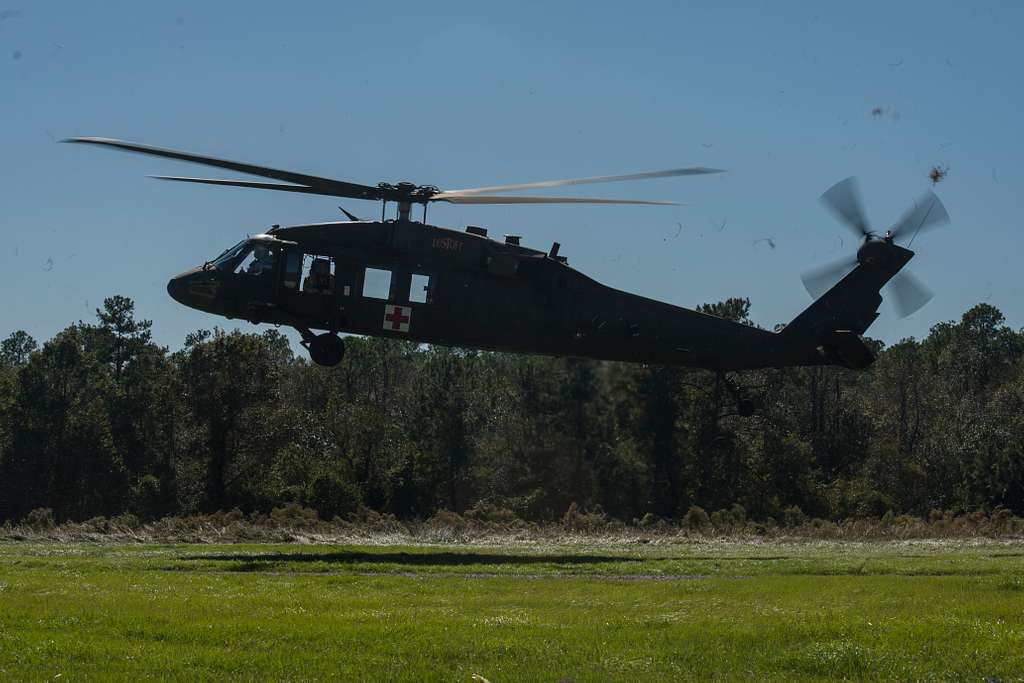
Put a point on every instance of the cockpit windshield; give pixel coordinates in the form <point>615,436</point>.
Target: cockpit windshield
<point>224,261</point>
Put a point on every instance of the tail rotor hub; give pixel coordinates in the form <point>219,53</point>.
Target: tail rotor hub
<point>874,251</point>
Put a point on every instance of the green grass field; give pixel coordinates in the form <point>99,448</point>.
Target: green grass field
<point>580,612</point>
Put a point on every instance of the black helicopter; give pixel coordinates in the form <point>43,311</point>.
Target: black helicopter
<point>406,279</point>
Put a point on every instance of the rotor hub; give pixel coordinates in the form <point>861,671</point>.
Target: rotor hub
<point>409,192</point>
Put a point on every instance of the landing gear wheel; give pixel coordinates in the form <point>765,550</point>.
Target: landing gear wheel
<point>326,349</point>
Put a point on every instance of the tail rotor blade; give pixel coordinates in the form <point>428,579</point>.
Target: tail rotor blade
<point>844,200</point>
<point>909,294</point>
<point>823,278</point>
<point>927,212</point>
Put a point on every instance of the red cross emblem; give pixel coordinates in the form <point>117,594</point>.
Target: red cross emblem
<point>396,318</point>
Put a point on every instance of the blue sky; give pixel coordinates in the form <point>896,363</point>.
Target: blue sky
<point>463,94</point>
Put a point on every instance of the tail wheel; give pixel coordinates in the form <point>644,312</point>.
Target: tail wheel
<point>327,349</point>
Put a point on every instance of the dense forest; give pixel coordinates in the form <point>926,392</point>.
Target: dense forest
<point>102,421</point>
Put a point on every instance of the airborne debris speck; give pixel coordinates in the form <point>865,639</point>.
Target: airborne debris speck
<point>877,111</point>
<point>767,240</point>
<point>938,174</point>
<point>17,55</point>
<point>48,266</point>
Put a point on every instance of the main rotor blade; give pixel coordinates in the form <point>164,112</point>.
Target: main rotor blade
<point>927,212</point>
<point>247,183</point>
<point>481,199</point>
<point>823,278</point>
<point>695,170</point>
<point>336,188</point>
<point>844,200</point>
<point>908,294</point>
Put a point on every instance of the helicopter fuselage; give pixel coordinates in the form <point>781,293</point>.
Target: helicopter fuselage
<point>428,284</point>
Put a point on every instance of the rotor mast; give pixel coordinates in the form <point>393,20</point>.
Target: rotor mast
<point>405,194</point>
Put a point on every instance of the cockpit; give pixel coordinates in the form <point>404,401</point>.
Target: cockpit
<point>250,257</point>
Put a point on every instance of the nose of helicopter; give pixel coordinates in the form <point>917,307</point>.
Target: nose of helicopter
<point>176,288</point>
<point>196,288</point>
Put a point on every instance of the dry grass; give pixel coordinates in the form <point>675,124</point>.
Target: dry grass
<point>295,524</point>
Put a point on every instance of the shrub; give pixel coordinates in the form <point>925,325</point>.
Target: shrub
<point>333,497</point>
<point>647,521</point>
<point>232,516</point>
<point>125,521</point>
<point>147,498</point>
<point>939,518</point>
<point>696,518</point>
<point>493,514</point>
<point>371,520</point>
<point>721,520</point>
<point>793,516</point>
<point>728,520</point>
<point>575,519</point>
<point>824,527</point>
<point>99,525</point>
<point>739,514</point>
<point>40,519</point>
<point>295,516</point>
<point>446,520</point>
<point>291,494</point>
<point>1002,519</point>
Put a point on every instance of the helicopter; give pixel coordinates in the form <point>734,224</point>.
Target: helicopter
<point>407,279</point>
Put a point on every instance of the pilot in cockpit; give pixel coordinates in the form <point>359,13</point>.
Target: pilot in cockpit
<point>262,262</point>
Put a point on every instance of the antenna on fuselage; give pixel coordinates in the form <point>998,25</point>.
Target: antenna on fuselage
<point>350,216</point>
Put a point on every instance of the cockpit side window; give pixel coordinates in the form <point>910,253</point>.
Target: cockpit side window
<point>292,270</point>
<point>258,262</point>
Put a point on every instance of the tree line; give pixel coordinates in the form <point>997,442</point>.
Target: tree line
<point>101,421</point>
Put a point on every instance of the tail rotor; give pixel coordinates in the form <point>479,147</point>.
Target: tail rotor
<point>908,293</point>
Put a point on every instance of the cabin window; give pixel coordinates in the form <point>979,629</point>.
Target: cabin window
<point>419,289</point>
<point>317,275</point>
<point>377,283</point>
